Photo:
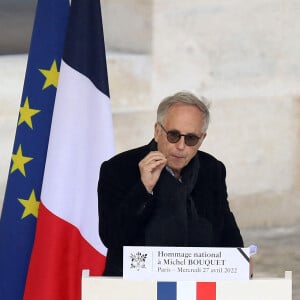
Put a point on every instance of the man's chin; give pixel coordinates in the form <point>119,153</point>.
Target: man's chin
<point>176,168</point>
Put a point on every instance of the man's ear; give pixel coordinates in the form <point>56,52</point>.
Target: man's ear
<point>156,131</point>
<point>202,138</point>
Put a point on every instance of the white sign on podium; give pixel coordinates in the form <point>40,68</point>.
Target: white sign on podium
<point>185,263</point>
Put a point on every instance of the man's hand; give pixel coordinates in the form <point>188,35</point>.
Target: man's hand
<point>150,169</point>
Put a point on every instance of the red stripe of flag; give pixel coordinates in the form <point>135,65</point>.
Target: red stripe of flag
<point>206,291</point>
<point>72,254</point>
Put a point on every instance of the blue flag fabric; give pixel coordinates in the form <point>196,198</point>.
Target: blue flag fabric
<point>21,202</point>
<point>166,290</point>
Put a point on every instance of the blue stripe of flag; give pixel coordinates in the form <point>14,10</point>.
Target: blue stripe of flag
<point>85,35</point>
<point>166,290</point>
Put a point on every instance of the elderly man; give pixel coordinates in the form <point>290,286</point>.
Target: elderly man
<point>166,193</point>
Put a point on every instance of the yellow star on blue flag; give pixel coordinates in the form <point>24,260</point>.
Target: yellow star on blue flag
<point>51,76</point>
<point>31,205</point>
<point>26,113</point>
<point>19,161</point>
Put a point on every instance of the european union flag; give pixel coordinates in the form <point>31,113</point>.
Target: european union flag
<point>21,202</point>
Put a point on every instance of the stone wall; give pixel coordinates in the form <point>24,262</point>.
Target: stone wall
<point>242,56</point>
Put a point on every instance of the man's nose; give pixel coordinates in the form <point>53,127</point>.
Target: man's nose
<point>181,143</point>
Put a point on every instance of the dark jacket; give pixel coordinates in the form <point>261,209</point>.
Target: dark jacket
<point>125,207</point>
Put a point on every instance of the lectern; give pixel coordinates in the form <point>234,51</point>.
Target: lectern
<point>113,288</point>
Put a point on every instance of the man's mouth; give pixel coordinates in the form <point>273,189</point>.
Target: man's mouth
<point>177,156</point>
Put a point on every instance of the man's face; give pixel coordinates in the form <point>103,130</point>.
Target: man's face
<point>187,119</point>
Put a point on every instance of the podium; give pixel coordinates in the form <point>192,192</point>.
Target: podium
<point>116,288</point>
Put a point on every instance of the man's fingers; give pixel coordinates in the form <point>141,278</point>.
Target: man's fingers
<point>152,165</point>
<point>153,157</point>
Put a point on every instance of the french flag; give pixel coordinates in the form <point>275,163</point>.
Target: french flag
<point>81,138</point>
<point>186,290</point>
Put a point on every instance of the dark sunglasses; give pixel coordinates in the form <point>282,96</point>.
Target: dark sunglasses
<point>173,136</point>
